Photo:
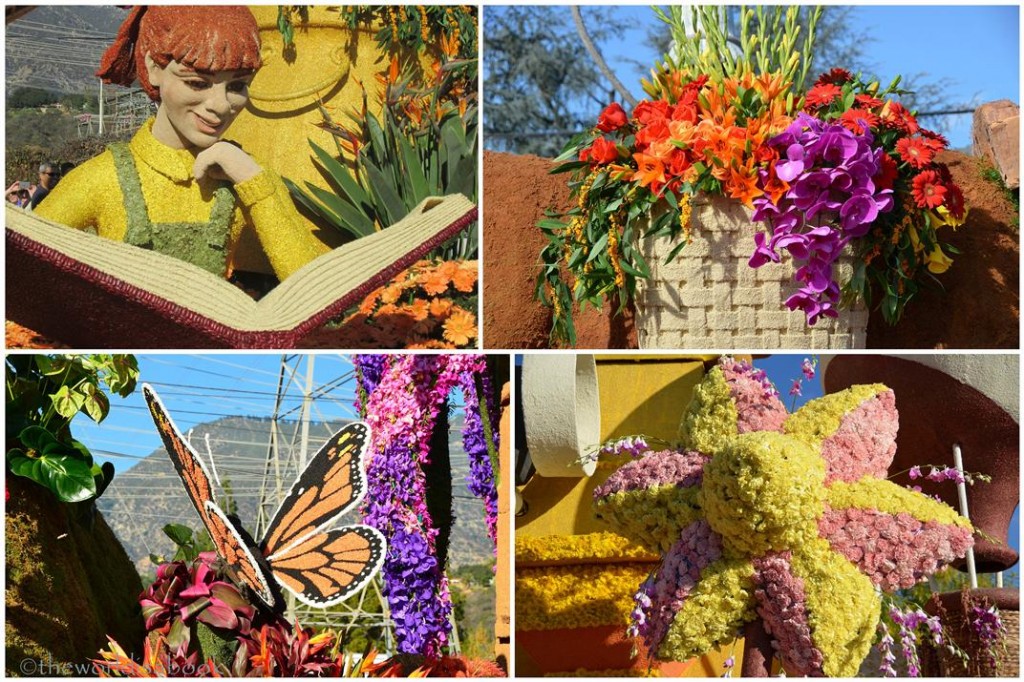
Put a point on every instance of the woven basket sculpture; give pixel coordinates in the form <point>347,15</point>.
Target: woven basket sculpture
<point>708,297</point>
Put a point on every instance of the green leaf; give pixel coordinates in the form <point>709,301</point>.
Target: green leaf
<point>598,248</point>
<point>67,402</point>
<point>97,405</point>
<point>179,534</point>
<point>394,207</point>
<point>417,181</point>
<point>37,438</point>
<point>350,218</point>
<point>342,177</point>
<point>641,264</point>
<point>550,224</point>
<point>568,166</point>
<point>675,251</point>
<point>576,259</point>
<point>68,477</point>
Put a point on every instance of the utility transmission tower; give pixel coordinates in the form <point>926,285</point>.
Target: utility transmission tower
<point>287,456</point>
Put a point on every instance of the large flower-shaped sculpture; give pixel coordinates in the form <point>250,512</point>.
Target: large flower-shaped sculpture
<point>786,517</point>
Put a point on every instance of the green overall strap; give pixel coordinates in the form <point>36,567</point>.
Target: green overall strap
<point>204,244</point>
<point>139,231</point>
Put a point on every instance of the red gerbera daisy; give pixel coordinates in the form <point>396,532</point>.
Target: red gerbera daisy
<point>934,139</point>
<point>868,102</point>
<point>915,151</point>
<point>835,77</point>
<point>822,95</point>
<point>858,120</point>
<point>895,115</point>
<point>928,192</point>
<point>955,201</point>
<point>887,172</point>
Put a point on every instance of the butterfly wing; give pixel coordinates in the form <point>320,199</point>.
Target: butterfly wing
<point>324,567</point>
<point>235,550</point>
<point>328,567</point>
<point>187,463</point>
<point>227,539</point>
<point>333,483</point>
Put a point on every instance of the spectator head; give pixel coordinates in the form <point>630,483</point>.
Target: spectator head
<point>48,175</point>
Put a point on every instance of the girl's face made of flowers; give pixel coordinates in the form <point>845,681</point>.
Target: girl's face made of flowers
<point>196,107</point>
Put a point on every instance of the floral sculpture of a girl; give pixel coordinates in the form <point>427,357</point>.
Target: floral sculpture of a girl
<point>177,187</point>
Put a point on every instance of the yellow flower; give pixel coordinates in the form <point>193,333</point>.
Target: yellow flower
<point>937,261</point>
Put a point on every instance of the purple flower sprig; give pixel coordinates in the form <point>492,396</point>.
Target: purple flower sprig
<point>987,627</point>
<point>474,440</point>
<point>887,659</point>
<point>908,621</point>
<point>938,474</point>
<point>832,199</point>
<point>634,446</point>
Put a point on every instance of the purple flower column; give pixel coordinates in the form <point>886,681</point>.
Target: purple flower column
<point>401,410</point>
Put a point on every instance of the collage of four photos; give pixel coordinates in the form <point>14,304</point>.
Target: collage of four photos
<point>512,341</point>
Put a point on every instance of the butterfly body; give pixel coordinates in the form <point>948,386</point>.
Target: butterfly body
<point>301,551</point>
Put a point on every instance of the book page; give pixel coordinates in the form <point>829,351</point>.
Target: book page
<point>330,277</point>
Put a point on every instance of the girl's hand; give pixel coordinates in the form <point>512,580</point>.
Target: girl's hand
<point>225,161</point>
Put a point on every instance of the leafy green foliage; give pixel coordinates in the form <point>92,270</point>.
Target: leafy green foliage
<point>26,98</point>
<point>190,544</point>
<point>44,393</point>
<point>401,158</point>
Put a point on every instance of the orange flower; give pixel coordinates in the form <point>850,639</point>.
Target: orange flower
<point>460,327</point>
<point>650,171</point>
<point>370,302</point>
<point>419,309</point>
<point>775,188</point>
<point>440,307</point>
<point>434,282</point>
<point>742,184</point>
<point>392,292</point>
<point>465,277</point>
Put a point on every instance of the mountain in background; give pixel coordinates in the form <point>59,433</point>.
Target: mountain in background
<point>145,498</point>
<point>58,48</point>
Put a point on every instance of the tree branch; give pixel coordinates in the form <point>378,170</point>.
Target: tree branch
<point>602,66</point>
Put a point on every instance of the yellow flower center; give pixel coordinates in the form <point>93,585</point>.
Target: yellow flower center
<point>764,492</point>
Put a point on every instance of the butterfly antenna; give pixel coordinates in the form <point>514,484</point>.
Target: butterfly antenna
<point>209,455</point>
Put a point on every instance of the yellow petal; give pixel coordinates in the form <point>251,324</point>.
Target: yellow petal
<point>938,262</point>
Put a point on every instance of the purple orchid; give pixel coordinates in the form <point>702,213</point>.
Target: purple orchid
<point>830,172</point>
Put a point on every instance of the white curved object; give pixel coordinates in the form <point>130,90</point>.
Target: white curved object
<point>562,413</point>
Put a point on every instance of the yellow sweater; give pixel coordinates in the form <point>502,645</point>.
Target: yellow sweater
<point>90,197</point>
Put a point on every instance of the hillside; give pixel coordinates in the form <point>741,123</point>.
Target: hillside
<point>59,47</point>
<point>143,499</point>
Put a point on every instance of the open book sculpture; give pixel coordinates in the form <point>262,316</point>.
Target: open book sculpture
<point>96,293</point>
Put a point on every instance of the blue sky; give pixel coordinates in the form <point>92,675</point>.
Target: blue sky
<point>975,49</point>
<point>202,388</point>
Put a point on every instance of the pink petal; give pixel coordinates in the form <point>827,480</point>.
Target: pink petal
<point>865,442</point>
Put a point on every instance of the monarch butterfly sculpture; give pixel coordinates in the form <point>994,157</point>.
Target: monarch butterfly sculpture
<point>320,565</point>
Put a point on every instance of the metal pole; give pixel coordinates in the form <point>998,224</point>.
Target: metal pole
<point>961,490</point>
<point>101,107</point>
